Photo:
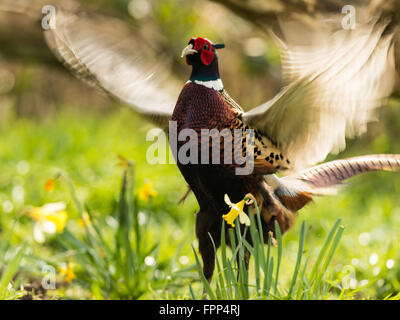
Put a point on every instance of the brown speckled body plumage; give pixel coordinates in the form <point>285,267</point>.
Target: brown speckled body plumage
<point>199,108</point>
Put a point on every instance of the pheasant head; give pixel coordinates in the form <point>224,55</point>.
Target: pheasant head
<point>201,55</point>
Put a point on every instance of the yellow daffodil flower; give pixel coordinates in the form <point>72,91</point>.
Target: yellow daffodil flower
<point>49,185</point>
<point>50,218</point>
<point>237,210</point>
<point>59,219</point>
<point>67,272</point>
<point>123,162</point>
<point>85,220</point>
<point>147,191</point>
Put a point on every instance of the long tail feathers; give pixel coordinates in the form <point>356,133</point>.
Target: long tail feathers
<point>334,172</point>
<point>296,190</point>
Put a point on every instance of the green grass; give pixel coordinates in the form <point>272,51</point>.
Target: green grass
<point>233,281</point>
<point>119,262</point>
<point>137,249</point>
<point>8,282</point>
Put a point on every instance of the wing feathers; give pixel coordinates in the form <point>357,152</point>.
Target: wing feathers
<point>106,55</point>
<point>335,85</point>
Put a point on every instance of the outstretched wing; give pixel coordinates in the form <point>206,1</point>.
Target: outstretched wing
<point>335,81</point>
<point>106,54</point>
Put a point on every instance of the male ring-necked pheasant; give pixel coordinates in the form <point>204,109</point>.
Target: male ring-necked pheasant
<point>334,82</point>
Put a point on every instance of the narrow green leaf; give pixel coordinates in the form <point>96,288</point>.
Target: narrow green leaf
<point>299,256</point>
<point>10,270</point>
<point>323,249</point>
<point>279,240</point>
<point>206,285</point>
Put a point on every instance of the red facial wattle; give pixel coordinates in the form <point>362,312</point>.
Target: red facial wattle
<point>206,48</point>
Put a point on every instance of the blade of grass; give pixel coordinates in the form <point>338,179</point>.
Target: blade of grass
<point>10,271</point>
<point>268,277</point>
<point>279,240</point>
<point>334,239</point>
<point>299,256</point>
<point>192,294</point>
<point>323,249</point>
<point>256,251</point>
<point>221,293</point>
<point>304,281</point>
<point>333,248</point>
<point>225,262</point>
<point>206,285</point>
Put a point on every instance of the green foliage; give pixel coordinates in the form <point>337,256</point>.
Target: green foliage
<point>233,281</point>
<point>10,262</point>
<point>119,262</point>
<point>113,269</point>
<point>85,145</point>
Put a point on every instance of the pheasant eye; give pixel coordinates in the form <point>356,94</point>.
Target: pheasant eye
<point>205,47</point>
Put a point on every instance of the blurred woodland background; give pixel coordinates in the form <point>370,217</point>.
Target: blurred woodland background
<point>50,121</point>
<point>32,73</point>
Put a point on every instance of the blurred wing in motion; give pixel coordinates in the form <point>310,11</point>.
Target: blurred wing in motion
<point>335,79</point>
<point>104,53</point>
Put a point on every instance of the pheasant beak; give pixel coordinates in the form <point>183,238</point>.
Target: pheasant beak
<point>188,50</point>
